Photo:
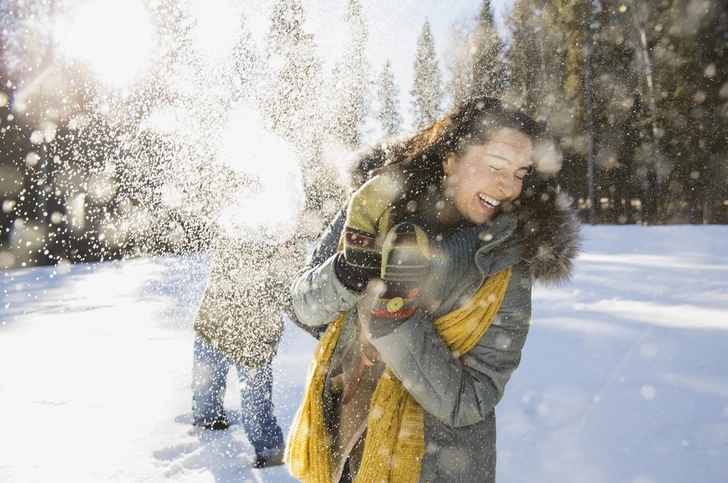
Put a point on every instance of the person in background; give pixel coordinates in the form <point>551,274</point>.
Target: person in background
<point>239,324</point>
<point>426,304</point>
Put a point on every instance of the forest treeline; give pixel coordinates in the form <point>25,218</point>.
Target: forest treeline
<point>635,95</point>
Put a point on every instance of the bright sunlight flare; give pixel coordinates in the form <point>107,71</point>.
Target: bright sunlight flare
<point>216,28</point>
<point>248,148</point>
<point>114,36</point>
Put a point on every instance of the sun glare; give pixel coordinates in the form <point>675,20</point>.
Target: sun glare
<point>272,162</point>
<point>114,36</point>
<point>215,28</point>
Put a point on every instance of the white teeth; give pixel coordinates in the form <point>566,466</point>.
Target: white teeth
<point>488,200</point>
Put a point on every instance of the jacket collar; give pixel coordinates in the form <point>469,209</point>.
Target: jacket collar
<point>500,248</point>
<point>543,231</point>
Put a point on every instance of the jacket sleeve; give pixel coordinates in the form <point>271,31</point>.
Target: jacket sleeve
<point>461,391</point>
<point>319,298</point>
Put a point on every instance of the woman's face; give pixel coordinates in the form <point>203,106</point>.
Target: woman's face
<point>487,175</point>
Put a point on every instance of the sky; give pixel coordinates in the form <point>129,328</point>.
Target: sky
<point>623,376</point>
<point>393,28</point>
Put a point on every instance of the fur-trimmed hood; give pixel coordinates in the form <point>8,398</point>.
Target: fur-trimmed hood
<point>550,228</point>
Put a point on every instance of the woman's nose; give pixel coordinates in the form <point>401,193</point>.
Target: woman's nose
<point>506,187</point>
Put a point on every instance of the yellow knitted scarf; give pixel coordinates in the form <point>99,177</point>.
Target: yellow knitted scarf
<point>395,441</point>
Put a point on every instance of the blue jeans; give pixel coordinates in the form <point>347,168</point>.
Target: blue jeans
<point>209,374</point>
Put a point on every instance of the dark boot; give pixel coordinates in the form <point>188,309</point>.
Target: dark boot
<point>273,457</point>
<point>219,424</point>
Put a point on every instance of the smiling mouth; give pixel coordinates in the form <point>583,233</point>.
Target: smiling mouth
<point>488,201</point>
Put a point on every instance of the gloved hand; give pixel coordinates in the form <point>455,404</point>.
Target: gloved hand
<point>404,268</point>
<point>359,261</point>
<point>353,277</point>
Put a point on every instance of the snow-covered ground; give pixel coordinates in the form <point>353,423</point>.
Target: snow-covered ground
<point>624,377</point>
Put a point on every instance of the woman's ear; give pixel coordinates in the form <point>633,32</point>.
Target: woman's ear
<point>449,160</point>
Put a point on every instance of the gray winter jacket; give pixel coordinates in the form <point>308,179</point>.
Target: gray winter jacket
<point>458,394</point>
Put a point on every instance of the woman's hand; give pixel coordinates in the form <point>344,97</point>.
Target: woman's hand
<point>405,267</point>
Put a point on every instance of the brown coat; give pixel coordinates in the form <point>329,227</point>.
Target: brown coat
<point>240,312</point>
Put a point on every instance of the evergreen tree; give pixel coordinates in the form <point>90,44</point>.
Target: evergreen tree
<point>291,97</point>
<point>688,68</point>
<point>27,41</point>
<point>291,104</point>
<point>457,63</point>
<point>537,57</point>
<point>388,94</point>
<point>178,64</point>
<point>635,89</point>
<point>350,104</point>
<point>573,19</point>
<point>641,155</point>
<point>245,63</point>
<point>427,89</point>
<point>618,112</point>
<point>525,56</point>
<point>712,183</point>
<point>39,95</point>
<point>488,71</point>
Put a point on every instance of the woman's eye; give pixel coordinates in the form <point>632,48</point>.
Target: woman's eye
<point>521,175</point>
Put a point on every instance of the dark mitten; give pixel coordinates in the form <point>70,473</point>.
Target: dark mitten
<point>405,266</point>
<point>351,276</point>
<point>359,261</point>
